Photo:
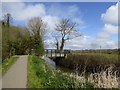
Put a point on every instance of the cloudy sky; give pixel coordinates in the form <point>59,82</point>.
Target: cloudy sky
<point>97,21</point>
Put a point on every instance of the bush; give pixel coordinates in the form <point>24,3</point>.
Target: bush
<point>15,41</point>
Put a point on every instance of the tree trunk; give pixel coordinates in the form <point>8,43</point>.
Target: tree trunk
<point>57,45</point>
<point>62,44</point>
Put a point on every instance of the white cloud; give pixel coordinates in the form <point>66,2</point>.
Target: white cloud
<point>51,21</point>
<point>104,38</point>
<point>67,11</point>
<point>23,12</point>
<point>107,32</point>
<point>82,42</point>
<point>111,15</point>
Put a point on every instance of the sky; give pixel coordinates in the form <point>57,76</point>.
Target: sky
<point>97,21</point>
<point>59,0</point>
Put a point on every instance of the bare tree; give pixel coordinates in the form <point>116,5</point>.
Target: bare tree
<point>7,18</point>
<point>67,30</point>
<point>37,27</point>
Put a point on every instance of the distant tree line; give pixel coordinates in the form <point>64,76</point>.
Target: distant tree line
<point>103,51</point>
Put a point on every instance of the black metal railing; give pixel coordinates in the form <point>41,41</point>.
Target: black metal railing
<point>52,53</point>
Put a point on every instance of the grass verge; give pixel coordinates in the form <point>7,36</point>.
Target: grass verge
<point>7,64</point>
<point>41,75</point>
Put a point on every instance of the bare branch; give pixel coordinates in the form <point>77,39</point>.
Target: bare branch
<point>37,26</point>
<point>68,31</point>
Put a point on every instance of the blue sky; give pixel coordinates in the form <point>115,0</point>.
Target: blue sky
<point>96,20</point>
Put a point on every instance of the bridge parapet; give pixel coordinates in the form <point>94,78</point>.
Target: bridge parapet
<point>52,53</point>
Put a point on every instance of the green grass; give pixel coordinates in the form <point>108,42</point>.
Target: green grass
<point>7,64</point>
<point>41,75</point>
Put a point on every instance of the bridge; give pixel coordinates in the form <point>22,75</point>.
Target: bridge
<point>56,55</point>
<point>53,53</point>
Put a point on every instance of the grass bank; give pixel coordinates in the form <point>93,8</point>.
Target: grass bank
<point>7,64</point>
<point>41,75</point>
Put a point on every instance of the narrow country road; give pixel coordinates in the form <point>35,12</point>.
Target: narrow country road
<point>16,76</point>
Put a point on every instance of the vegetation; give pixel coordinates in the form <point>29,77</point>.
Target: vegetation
<point>92,68</point>
<point>20,40</point>
<point>8,63</point>
<point>103,51</point>
<point>15,40</point>
<point>91,62</point>
<point>0,43</point>
<point>37,29</point>
<point>41,75</point>
<point>104,79</point>
<point>102,70</point>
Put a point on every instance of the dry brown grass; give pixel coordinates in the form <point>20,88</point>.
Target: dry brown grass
<point>104,79</point>
<point>91,62</point>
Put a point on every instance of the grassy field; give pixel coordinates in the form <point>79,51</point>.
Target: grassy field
<point>40,75</point>
<point>7,64</point>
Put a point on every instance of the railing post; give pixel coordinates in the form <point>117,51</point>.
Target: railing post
<point>46,52</point>
<point>55,53</point>
<point>60,53</point>
<point>51,53</point>
<point>64,53</point>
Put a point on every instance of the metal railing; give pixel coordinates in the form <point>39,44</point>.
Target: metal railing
<point>52,53</point>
